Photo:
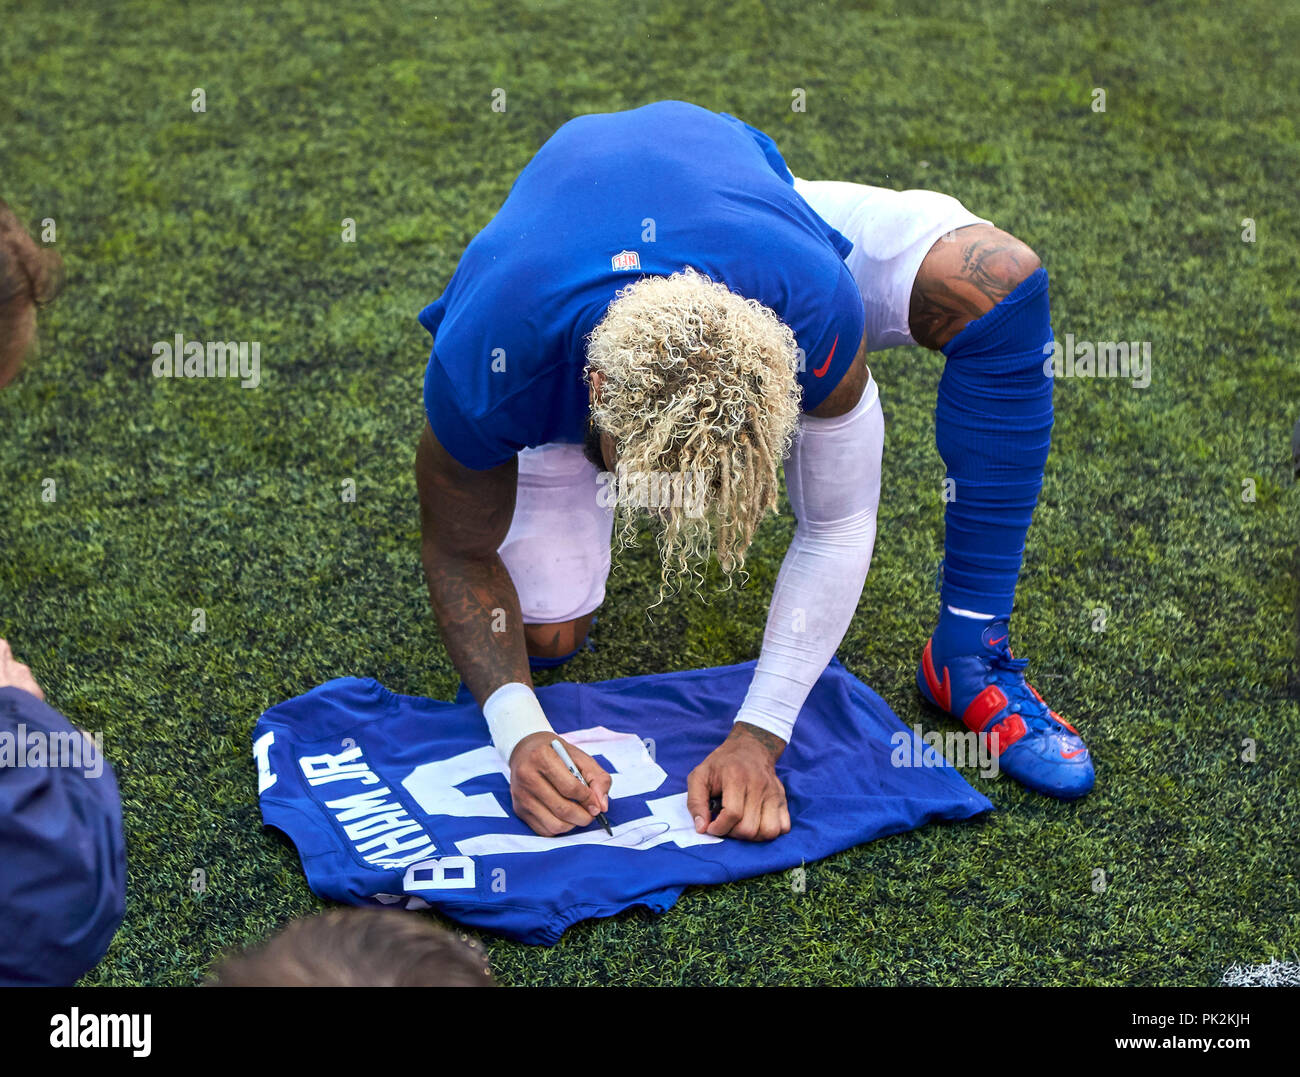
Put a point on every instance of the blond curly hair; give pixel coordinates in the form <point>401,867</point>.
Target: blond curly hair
<point>697,382</point>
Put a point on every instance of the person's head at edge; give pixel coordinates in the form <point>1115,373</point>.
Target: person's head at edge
<point>30,277</point>
<point>358,948</point>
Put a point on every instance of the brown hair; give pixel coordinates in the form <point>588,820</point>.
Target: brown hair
<point>28,274</point>
<point>359,948</point>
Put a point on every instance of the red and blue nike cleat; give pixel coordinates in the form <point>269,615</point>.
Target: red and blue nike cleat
<point>987,691</point>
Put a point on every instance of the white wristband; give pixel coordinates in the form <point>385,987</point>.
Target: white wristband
<point>513,712</point>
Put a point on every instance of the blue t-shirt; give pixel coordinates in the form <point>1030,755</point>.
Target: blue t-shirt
<point>394,800</point>
<point>510,330</point>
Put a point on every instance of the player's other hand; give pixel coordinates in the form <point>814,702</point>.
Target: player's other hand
<point>546,796</point>
<point>742,771</point>
<point>13,674</point>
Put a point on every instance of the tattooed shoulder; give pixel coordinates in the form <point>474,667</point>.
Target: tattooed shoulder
<point>966,273</point>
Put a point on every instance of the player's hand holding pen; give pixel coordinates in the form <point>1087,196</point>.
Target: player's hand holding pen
<point>547,795</point>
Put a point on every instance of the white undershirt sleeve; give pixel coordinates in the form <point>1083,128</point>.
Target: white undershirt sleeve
<point>833,479</point>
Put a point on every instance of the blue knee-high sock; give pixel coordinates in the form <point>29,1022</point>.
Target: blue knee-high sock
<point>993,426</point>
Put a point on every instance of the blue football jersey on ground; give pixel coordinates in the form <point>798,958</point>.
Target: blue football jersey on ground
<point>510,330</point>
<point>396,800</point>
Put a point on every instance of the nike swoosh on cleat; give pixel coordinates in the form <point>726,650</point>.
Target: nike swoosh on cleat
<point>1071,755</point>
<point>942,691</point>
<point>820,372</point>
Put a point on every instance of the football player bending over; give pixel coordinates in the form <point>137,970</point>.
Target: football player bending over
<point>660,299</point>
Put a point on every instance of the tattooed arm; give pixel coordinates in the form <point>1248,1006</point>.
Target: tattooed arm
<point>966,274</point>
<point>464,517</point>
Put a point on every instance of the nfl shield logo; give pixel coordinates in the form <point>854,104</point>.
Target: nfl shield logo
<point>626,260</point>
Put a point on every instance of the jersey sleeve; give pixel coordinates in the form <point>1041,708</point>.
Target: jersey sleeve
<point>772,154</point>
<point>469,442</point>
<point>767,145</point>
<point>829,336</point>
<point>831,317</point>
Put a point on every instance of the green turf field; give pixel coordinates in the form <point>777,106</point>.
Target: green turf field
<point>177,495</point>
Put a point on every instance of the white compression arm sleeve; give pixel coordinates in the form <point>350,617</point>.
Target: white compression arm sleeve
<point>833,478</point>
